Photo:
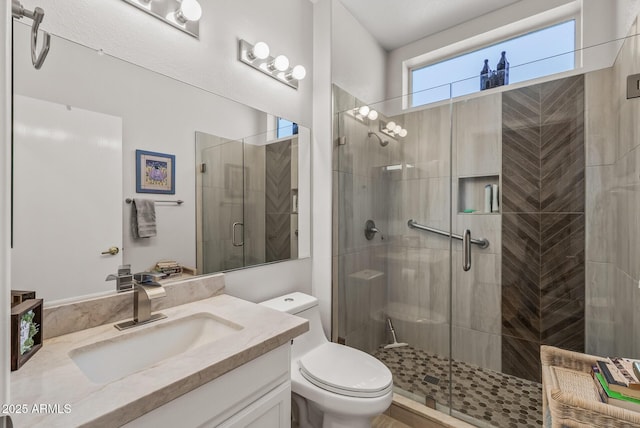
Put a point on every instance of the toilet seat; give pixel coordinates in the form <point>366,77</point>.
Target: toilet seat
<point>346,371</point>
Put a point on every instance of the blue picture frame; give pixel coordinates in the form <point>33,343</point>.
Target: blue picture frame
<point>155,172</point>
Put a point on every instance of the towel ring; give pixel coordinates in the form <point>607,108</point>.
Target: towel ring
<point>19,12</point>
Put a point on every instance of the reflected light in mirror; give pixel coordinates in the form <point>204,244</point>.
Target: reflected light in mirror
<point>364,110</point>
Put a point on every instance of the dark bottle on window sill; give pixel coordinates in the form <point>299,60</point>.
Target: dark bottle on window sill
<point>503,70</point>
<point>484,76</point>
<point>493,80</point>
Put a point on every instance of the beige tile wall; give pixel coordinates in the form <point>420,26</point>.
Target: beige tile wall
<point>443,144</point>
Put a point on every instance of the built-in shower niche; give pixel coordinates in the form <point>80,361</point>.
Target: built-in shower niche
<point>471,194</point>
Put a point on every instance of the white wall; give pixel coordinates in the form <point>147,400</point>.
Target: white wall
<point>267,281</point>
<point>5,199</point>
<point>322,152</point>
<point>210,62</point>
<point>358,61</point>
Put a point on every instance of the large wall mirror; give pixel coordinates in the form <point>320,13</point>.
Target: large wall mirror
<point>242,175</point>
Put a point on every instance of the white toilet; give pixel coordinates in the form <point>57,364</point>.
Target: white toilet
<point>333,386</point>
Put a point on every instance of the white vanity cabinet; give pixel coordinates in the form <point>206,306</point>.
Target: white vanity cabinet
<point>256,394</point>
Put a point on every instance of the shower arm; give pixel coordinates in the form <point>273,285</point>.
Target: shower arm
<point>37,15</point>
<point>383,143</point>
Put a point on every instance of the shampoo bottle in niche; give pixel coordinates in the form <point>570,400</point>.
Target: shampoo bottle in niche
<point>494,202</point>
<point>487,198</point>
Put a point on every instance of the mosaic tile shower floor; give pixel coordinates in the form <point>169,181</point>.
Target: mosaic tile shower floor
<point>482,397</point>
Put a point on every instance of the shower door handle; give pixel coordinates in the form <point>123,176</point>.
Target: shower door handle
<point>233,234</point>
<point>466,250</point>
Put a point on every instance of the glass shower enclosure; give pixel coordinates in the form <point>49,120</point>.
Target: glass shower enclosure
<point>487,243</point>
<point>247,193</point>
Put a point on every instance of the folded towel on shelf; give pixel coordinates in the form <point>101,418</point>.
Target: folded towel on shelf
<point>143,218</point>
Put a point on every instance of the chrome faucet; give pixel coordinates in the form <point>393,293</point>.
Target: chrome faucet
<point>146,290</point>
<point>124,279</point>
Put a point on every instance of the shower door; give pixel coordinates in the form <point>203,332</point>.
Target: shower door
<point>392,292</point>
<point>247,199</point>
<point>220,180</point>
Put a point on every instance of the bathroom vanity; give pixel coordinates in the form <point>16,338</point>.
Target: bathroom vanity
<point>219,361</point>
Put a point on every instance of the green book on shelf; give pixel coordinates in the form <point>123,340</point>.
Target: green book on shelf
<point>617,399</point>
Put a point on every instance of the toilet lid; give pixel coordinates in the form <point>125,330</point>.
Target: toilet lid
<point>346,371</point>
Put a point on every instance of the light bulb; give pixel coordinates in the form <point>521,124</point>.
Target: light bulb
<point>260,50</point>
<point>189,10</point>
<point>281,63</point>
<point>397,129</point>
<point>373,115</point>
<point>391,125</point>
<point>402,133</point>
<point>299,72</point>
<point>363,111</point>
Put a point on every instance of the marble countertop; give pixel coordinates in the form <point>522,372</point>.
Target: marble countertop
<point>50,378</point>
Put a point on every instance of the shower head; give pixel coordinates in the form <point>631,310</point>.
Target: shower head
<point>383,143</point>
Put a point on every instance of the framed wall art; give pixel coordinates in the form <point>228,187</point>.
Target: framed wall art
<point>155,172</point>
<point>26,331</point>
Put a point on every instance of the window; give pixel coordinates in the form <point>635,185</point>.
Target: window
<point>540,53</point>
<point>286,128</point>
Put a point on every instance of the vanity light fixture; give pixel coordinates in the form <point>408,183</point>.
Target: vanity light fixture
<point>280,63</point>
<point>182,14</point>
<point>260,51</point>
<point>392,129</point>
<point>298,73</point>
<point>258,56</point>
<point>189,10</point>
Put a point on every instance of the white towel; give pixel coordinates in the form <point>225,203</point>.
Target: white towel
<point>143,218</point>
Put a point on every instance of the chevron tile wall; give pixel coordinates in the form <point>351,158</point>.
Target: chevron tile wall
<point>543,222</point>
<point>278,201</point>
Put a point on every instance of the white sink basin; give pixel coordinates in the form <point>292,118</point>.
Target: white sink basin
<point>135,350</point>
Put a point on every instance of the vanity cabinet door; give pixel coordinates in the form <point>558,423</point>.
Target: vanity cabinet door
<point>251,395</point>
<point>271,411</point>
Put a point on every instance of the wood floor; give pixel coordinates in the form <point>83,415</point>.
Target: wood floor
<point>384,421</point>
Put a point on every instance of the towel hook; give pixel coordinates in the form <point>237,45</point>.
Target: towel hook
<point>18,12</point>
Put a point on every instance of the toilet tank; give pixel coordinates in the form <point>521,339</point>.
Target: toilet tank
<point>304,306</point>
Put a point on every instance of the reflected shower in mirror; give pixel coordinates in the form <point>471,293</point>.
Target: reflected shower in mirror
<point>247,194</point>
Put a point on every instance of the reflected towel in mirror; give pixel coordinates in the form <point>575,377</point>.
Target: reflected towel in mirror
<point>143,218</point>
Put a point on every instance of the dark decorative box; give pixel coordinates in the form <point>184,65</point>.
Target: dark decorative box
<point>26,331</point>
<point>19,296</point>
